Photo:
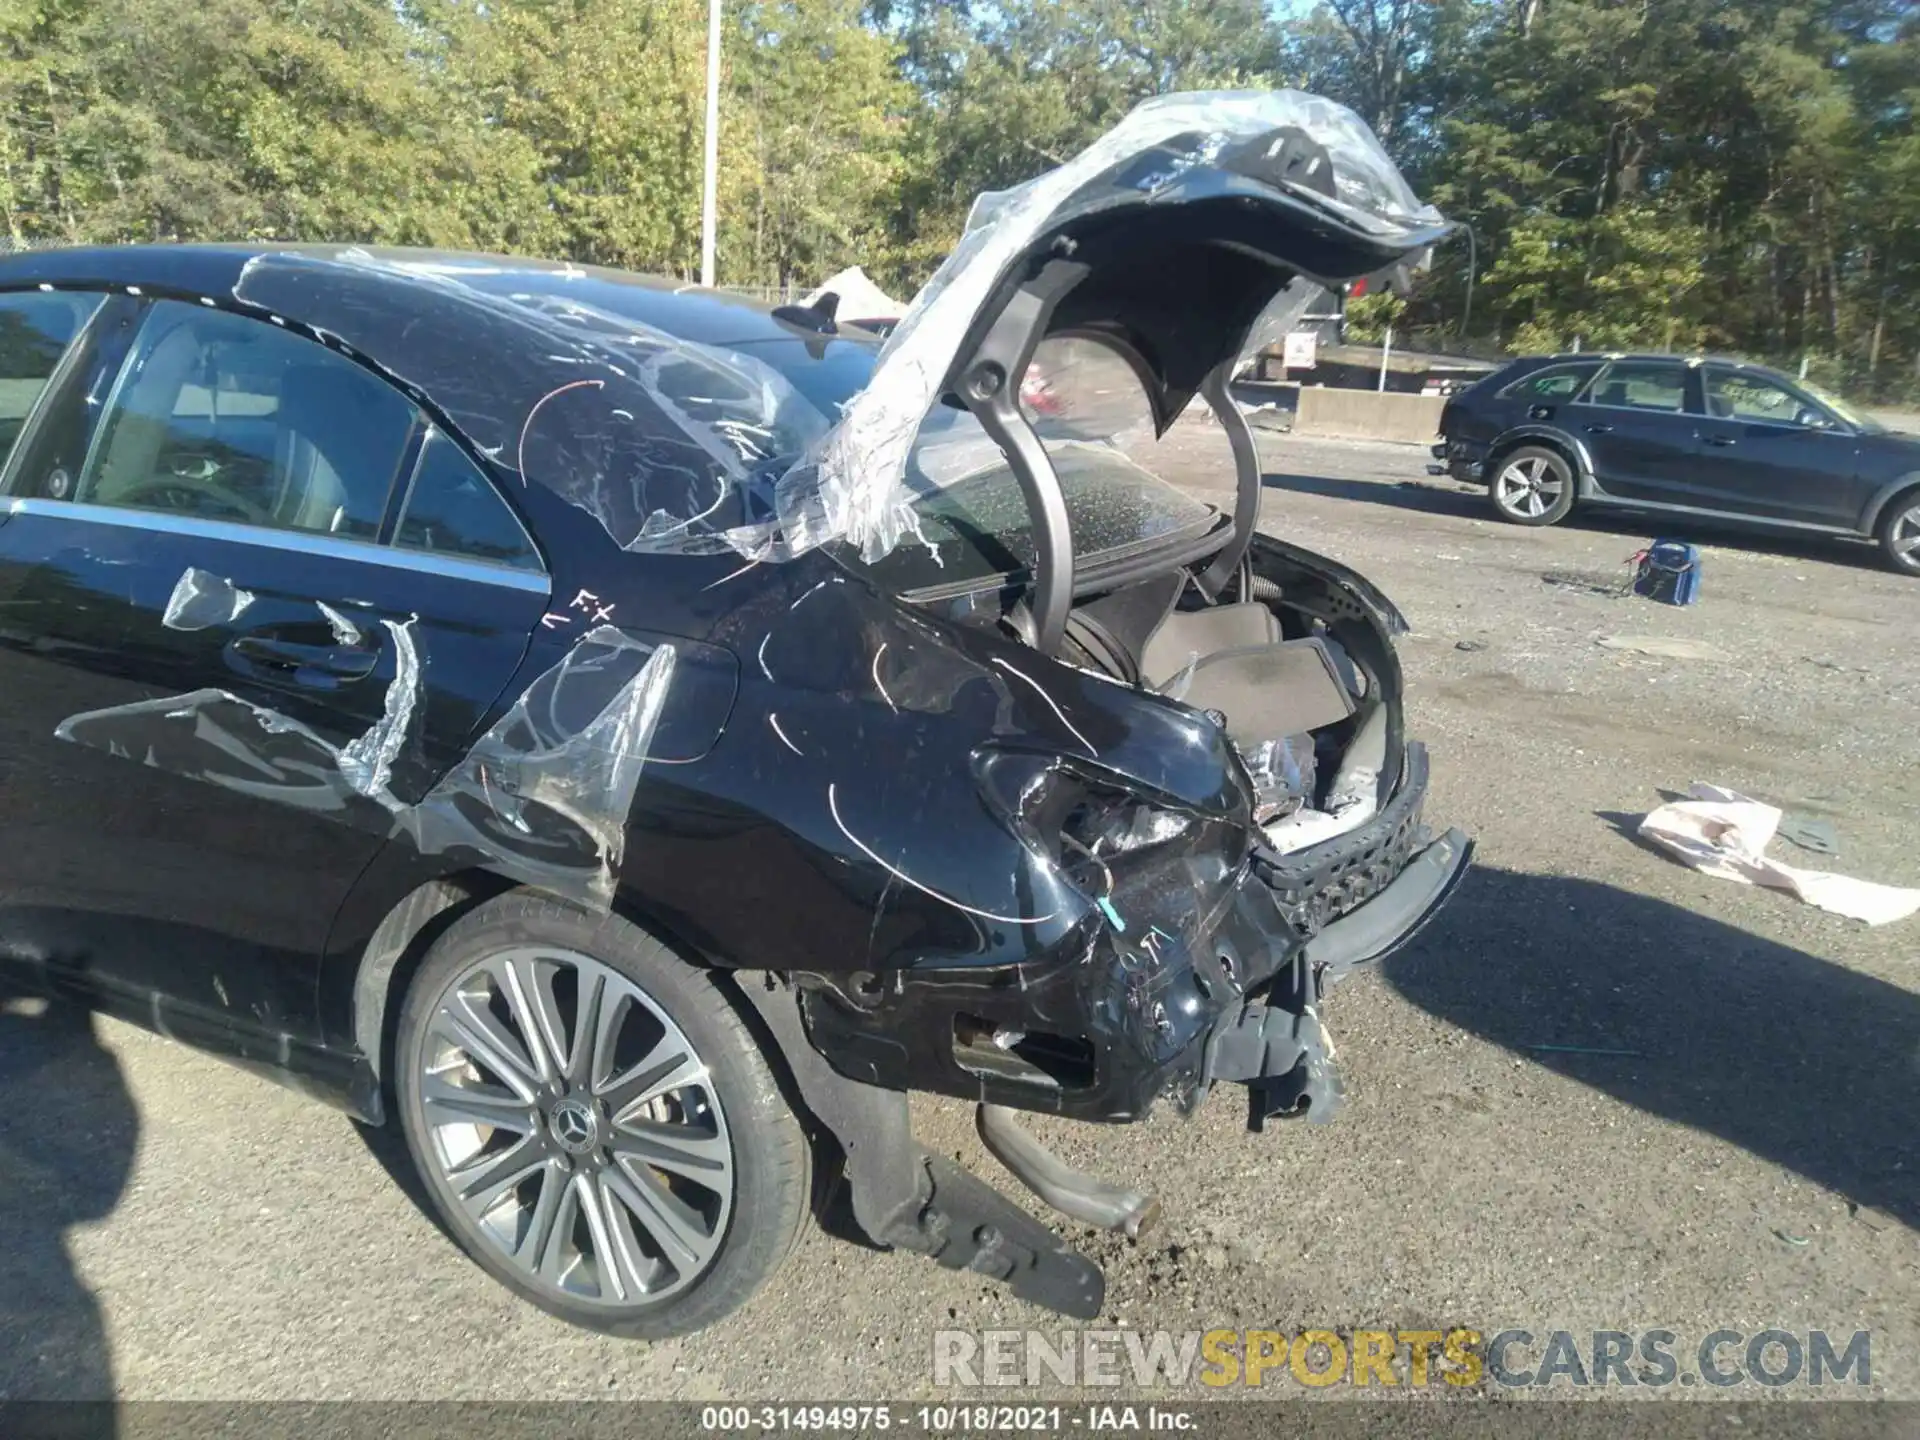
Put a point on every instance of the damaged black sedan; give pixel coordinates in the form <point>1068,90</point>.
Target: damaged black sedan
<point>630,739</point>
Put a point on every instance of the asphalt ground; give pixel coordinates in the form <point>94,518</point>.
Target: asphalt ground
<point>1600,1093</point>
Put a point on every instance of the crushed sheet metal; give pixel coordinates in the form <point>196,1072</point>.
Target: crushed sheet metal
<point>542,797</point>
<point>201,600</point>
<point>1725,834</point>
<point>833,808</point>
<point>678,447</point>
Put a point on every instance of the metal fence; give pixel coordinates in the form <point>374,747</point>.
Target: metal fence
<point>787,294</point>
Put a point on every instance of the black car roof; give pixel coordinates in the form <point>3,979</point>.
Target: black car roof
<point>640,400</point>
<point>710,317</point>
<point>1602,356</point>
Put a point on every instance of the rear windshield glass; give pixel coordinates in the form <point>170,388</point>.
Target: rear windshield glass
<point>975,528</point>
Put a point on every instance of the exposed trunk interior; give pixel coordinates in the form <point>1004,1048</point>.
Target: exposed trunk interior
<point>1309,718</point>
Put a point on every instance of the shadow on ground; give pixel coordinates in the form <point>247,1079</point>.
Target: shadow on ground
<point>68,1129</point>
<point>1445,497</point>
<point>1429,497</point>
<point>1800,1061</point>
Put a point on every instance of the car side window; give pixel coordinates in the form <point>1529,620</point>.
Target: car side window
<point>1642,385</point>
<point>1555,382</point>
<point>35,331</point>
<point>452,509</point>
<point>223,417</point>
<point>1744,395</point>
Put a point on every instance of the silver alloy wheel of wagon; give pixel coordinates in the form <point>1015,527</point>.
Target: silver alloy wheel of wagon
<point>1903,537</point>
<point>1527,486</point>
<point>574,1124</point>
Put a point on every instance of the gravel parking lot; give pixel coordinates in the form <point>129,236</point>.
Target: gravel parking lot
<point>1742,1153</point>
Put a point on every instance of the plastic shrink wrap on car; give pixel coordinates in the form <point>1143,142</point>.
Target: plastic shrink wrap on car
<point>566,411</point>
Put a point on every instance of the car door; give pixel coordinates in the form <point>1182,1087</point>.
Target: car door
<point>1633,420</point>
<point>222,674</point>
<point>1771,451</point>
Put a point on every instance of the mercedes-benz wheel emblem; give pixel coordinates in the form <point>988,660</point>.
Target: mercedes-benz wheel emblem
<point>574,1126</point>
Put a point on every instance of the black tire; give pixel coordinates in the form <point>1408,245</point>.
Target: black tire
<point>770,1159</point>
<point>1899,533</point>
<point>1531,485</point>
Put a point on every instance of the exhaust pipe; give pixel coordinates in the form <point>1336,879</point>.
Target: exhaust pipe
<point>1070,1191</point>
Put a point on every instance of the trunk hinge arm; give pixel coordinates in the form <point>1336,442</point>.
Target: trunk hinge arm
<point>1247,481</point>
<point>989,386</point>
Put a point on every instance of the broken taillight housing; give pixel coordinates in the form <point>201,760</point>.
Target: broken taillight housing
<point>1111,844</point>
<point>1110,825</point>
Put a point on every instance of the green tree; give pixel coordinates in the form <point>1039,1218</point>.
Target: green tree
<point>1011,89</point>
<point>819,115</point>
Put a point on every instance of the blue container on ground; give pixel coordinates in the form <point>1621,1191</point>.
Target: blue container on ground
<point>1668,571</point>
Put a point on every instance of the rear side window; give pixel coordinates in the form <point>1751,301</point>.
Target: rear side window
<point>1553,382</point>
<point>452,509</point>
<point>1642,385</point>
<point>223,417</point>
<point>35,331</point>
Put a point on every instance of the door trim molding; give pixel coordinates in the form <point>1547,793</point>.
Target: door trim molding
<point>299,541</point>
<point>1623,502</point>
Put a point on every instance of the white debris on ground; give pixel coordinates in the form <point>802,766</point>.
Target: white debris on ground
<point>1725,834</point>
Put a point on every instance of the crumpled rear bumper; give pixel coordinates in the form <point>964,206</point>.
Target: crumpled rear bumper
<point>1104,1035</point>
<point>1277,1045</point>
<point>1462,459</point>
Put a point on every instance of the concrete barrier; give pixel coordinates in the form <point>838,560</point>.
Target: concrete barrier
<point>1367,415</point>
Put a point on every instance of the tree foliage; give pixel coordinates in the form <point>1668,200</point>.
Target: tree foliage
<point>1680,173</point>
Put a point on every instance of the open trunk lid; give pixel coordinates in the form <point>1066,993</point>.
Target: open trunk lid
<point>1194,230</point>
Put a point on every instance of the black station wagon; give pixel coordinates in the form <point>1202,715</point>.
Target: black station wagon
<point>1695,438</point>
<point>632,738</point>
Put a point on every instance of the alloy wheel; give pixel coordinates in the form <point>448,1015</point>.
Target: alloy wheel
<point>1528,487</point>
<point>1903,538</point>
<point>574,1126</point>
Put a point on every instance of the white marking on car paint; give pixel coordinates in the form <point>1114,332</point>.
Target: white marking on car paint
<point>731,575</point>
<point>520,450</point>
<point>833,806</point>
<point>876,678</point>
<point>762,656</point>
<point>774,721</point>
<point>1050,705</point>
<point>796,604</point>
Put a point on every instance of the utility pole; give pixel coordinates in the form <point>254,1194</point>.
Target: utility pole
<point>710,193</point>
<point>1473,265</point>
